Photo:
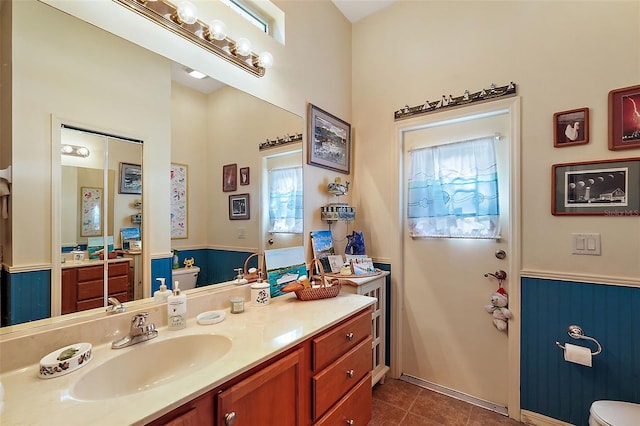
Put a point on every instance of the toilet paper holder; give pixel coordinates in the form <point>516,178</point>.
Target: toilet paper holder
<point>575,331</point>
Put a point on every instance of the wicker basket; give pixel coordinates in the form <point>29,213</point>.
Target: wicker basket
<point>251,277</point>
<point>322,292</point>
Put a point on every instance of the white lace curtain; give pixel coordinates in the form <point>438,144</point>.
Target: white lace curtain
<point>453,191</point>
<point>285,200</point>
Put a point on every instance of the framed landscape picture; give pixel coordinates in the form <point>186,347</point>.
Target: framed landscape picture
<point>130,179</point>
<point>329,139</point>
<point>597,188</point>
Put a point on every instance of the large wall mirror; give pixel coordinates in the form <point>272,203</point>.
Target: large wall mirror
<point>208,128</point>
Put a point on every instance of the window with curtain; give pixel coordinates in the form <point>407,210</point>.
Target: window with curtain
<point>285,200</point>
<point>453,191</point>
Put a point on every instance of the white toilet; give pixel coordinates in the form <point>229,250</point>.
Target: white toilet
<point>614,413</point>
<point>187,277</point>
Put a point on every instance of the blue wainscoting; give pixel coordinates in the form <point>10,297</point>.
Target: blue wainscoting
<point>26,296</point>
<point>215,266</point>
<point>555,388</point>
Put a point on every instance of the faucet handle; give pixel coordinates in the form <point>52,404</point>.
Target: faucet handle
<point>115,306</point>
<point>139,319</point>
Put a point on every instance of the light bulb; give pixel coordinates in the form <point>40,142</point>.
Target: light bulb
<point>67,149</point>
<point>217,29</point>
<point>82,151</point>
<point>265,60</point>
<point>187,12</point>
<point>243,47</point>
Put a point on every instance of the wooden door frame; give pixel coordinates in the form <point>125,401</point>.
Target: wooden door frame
<point>511,107</point>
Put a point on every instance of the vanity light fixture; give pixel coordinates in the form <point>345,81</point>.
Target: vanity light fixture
<point>75,150</point>
<point>182,19</point>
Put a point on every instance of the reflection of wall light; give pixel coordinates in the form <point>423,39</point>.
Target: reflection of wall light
<point>75,150</point>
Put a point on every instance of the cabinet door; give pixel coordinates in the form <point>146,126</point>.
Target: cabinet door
<point>69,290</point>
<point>267,398</point>
<point>198,412</point>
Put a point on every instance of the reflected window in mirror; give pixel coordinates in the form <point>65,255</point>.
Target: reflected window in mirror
<point>285,200</point>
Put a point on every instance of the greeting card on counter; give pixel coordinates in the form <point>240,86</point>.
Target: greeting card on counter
<point>362,266</point>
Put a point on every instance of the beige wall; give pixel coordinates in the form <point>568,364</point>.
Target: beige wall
<point>437,48</point>
<point>86,76</point>
<point>62,67</point>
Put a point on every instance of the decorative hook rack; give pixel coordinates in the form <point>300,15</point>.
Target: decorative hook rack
<point>280,141</point>
<point>575,332</point>
<point>466,98</point>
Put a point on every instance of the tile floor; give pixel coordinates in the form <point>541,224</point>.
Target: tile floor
<point>400,403</point>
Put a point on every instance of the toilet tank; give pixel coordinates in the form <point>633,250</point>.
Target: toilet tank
<point>187,277</point>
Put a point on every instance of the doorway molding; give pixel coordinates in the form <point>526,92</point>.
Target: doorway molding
<point>511,107</point>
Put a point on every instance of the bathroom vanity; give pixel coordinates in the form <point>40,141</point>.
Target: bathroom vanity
<point>289,362</point>
<point>82,284</point>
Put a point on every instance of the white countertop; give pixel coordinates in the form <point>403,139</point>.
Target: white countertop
<point>257,335</point>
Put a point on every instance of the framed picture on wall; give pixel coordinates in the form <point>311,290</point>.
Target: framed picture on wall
<point>329,143</point>
<point>130,179</point>
<point>571,127</point>
<point>229,177</point>
<point>596,188</point>
<point>179,197</point>
<point>244,176</point>
<point>239,207</point>
<point>624,118</point>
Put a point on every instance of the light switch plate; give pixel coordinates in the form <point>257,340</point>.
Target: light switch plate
<point>588,244</point>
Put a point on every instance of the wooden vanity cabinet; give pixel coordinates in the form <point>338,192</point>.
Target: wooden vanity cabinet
<point>268,397</point>
<point>82,286</point>
<point>325,380</point>
<point>341,366</point>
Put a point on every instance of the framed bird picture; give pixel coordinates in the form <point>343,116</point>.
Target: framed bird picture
<point>571,127</point>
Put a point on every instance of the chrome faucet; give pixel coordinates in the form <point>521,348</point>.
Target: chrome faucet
<point>140,332</point>
<point>115,307</point>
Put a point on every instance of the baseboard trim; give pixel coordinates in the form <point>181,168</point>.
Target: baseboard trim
<point>535,419</point>
<point>455,394</point>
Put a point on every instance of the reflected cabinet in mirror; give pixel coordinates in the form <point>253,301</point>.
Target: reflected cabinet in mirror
<point>114,84</point>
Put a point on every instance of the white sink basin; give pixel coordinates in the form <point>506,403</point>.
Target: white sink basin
<point>150,364</point>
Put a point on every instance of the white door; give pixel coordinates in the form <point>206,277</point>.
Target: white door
<point>447,337</point>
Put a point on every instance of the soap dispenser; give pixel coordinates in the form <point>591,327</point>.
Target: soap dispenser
<point>177,309</point>
<point>260,292</point>
<point>161,295</point>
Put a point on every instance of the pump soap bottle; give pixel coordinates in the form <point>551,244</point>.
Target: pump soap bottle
<point>177,309</point>
<point>160,296</point>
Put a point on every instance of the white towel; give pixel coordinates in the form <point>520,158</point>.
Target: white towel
<point>4,198</point>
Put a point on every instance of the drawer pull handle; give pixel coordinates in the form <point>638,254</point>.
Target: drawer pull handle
<point>230,418</point>
<point>349,336</point>
<point>351,422</point>
<point>350,373</point>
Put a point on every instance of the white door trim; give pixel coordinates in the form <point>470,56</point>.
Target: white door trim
<point>510,106</point>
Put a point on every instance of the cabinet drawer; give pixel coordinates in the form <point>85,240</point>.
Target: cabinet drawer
<point>90,273</point>
<point>333,344</point>
<point>90,289</point>
<point>119,268</point>
<point>333,382</point>
<point>83,305</point>
<point>354,408</point>
<point>118,284</point>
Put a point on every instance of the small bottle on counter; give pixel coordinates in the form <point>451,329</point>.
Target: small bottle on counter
<point>161,295</point>
<point>177,309</point>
